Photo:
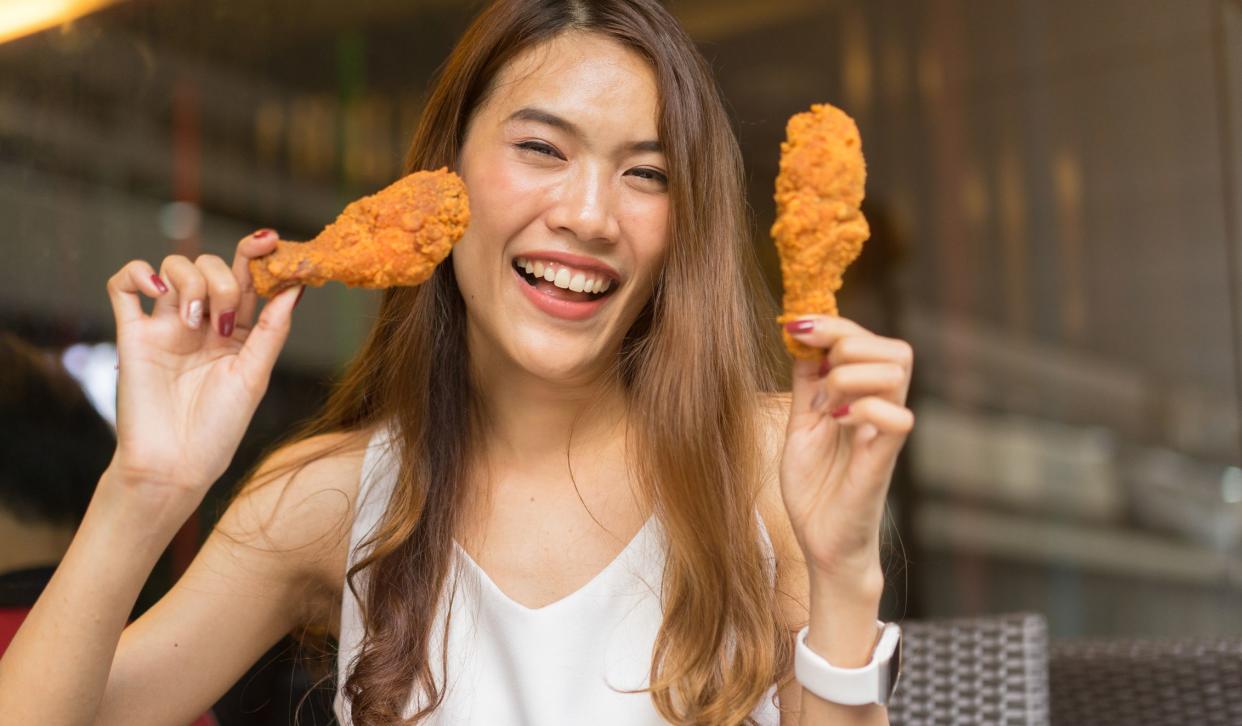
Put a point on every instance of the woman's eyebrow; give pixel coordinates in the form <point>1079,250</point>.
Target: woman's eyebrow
<point>538,115</point>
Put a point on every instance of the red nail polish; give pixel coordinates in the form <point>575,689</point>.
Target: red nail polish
<point>226,323</point>
<point>841,411</point>
<point>263,233</point>
<point>824,367</point>
<point>159,284</point>
<point>800,326</point>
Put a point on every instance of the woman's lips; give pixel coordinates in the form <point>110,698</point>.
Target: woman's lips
<point>557,308</point>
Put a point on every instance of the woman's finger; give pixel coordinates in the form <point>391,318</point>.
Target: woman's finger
<point>258,244</point>
<point>188,294</point>
<point>880,428</point>
<point>823,331</point>
<point>870,348</point>
<point>818,331</point>
<point>882,413</point>
<point>258,356</point>
<point>223,293</point>
<point>805,387</point>
<point>125,287</point>
<point>855,380</point>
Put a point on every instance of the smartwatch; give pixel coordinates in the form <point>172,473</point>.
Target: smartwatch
<point>872,683</point>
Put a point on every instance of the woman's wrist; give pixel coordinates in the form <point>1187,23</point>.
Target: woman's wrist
<point>842,626</point>
<point>149,514</point>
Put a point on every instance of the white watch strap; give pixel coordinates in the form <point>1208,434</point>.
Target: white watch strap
<point>849,686</point>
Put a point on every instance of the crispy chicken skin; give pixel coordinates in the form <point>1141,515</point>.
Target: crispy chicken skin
<point>393,237</point>
<point>819,229</point>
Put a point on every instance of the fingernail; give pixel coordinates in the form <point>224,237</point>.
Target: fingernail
<point>800,326</point>
<point>226,323</point>
<point>194,315</point>
<point>824,367</point>
<point>159,284</point>
<point>841,411</point>
<point>263,233</point>
<point>303,291</point>
<point>818,399</point>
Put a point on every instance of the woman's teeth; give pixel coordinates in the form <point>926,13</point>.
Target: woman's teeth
<point>564,277</point>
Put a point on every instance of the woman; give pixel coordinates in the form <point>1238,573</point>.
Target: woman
<point>522,471</point>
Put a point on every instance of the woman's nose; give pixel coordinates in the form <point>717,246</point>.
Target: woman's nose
<point>584,208</point>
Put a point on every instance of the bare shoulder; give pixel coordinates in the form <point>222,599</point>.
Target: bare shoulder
<point>773,414</point>
<point>790,563</point>
<point>300,504</point>
<point>792,581</point>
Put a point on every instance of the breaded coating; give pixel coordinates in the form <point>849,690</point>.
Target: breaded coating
<point>393,237</point>
<point>819,229</point>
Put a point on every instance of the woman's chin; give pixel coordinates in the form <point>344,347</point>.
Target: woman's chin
<point>560,362</point>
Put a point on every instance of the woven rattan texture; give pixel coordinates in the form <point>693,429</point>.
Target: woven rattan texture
<point>990,670</point>
<point>1147,682</point>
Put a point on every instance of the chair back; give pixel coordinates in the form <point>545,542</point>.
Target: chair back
<point>1180,681</point>
<point>989,670</point>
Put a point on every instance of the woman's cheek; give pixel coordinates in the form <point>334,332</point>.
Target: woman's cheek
<point>509,192</point>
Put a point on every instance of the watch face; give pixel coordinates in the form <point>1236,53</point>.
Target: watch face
<point>894,671</point>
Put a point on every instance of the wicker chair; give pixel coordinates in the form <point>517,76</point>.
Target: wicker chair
<point>1147,682</point>
<point>1002,670</point>
<point>982,671</point>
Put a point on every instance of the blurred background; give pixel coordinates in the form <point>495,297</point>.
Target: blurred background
<point>1054,191</point>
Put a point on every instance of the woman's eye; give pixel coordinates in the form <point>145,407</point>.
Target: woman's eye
<point>538,148</point>
<point>647,173</point>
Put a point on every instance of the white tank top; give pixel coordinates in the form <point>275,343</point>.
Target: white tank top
<point>510,664</point>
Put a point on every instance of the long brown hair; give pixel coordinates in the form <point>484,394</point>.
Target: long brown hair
<point>697,367</point>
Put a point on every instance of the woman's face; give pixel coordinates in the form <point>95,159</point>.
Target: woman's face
<point>565,175</point>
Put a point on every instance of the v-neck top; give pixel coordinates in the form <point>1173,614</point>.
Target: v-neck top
<point>568,662</point>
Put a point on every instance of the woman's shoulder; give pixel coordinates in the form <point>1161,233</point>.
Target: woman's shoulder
<point>300,502</point>
<point>773,417</point>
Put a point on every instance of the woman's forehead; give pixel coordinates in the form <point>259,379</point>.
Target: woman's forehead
<point>588,78</point>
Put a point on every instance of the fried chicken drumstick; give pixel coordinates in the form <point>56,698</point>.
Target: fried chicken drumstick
<point>819,229</point>
<point>393,237</point>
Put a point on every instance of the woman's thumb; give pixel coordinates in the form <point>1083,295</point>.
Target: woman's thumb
<point>258,355</point>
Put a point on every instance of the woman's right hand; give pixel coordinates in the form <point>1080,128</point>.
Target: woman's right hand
<point>191,373</point>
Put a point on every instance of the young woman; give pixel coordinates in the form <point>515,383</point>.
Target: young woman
<point>523,504</point>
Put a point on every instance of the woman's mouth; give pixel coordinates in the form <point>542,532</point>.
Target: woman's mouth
<point>562,291</point>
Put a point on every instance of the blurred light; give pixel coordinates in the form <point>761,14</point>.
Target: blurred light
<point>1231,485</point>
<point>1015,252</point>
<point>1067,178</point>
<point>930,74</point>
<point>856,70</point>
<point>893,70</point>
<point>975,202</point>
<point>269,126</point>
<point>180,220</point>
<point>94,368</point>
<point>23,17</point>
<point>313,135</point>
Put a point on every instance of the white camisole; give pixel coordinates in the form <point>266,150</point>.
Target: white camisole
<point>510,664</point>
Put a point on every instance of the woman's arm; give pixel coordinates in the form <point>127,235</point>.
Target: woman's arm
<point>54,670</point>
<point>842,625</point>
<point>265,569</point>
<point>191,374</point>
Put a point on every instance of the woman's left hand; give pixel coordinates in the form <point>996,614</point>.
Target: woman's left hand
<point>835,470</point>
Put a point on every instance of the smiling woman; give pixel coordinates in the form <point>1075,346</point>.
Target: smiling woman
<point>551,486</point>
<point>601,311</point>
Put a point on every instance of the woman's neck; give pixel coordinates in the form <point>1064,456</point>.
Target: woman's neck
<point>529,419</point>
